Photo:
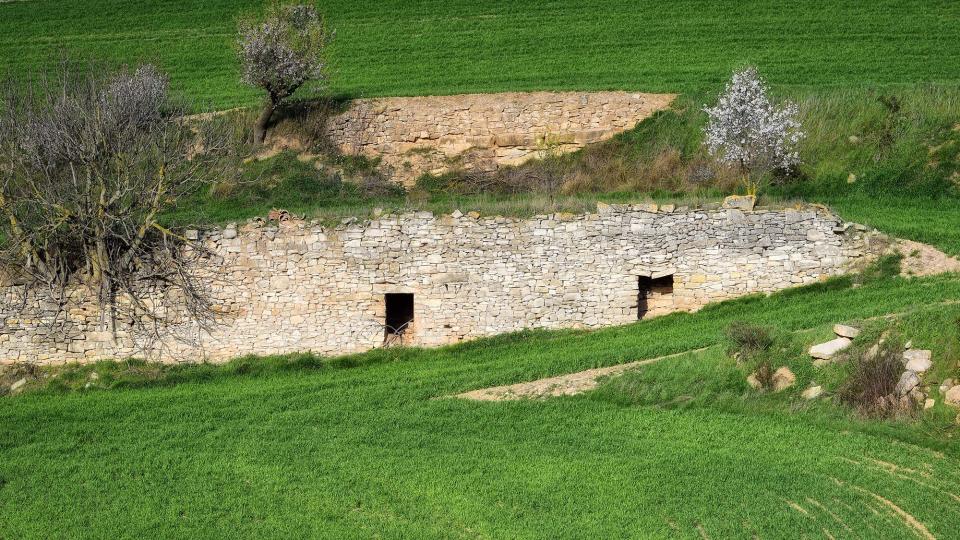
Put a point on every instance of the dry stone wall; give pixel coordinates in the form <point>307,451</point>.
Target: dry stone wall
<point>303,287</point>
<point>414,135</point>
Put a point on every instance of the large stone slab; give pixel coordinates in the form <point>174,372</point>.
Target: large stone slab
<point>829,349</point>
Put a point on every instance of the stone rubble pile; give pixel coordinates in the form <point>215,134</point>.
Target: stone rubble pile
<point>823,353</point>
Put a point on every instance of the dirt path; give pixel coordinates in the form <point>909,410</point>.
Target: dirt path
<point>562,385</point>
<point>924,260</point>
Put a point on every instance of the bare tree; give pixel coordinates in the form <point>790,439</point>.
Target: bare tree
<point>88,163</point>
<point>280,53</point>
<point>747,130</point>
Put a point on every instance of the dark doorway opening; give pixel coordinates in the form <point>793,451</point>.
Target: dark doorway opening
<point>654,295</point>
<point>399,316</point>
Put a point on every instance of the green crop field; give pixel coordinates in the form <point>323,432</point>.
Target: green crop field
<point>403,47</point>
<point>368,446</point>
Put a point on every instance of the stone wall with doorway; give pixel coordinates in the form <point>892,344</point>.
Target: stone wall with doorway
<point>297,286</point>
<point>415,135</point>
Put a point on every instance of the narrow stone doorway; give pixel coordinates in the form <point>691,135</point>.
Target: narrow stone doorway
<point>398,320</point>
<point>654,296</point>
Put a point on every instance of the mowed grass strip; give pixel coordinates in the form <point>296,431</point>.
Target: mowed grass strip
<point>350,453</point>
<point>455,46</point>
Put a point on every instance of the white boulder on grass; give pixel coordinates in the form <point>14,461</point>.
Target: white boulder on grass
<point>829,349</point>
<point>953,396</point>
<point>918,360</point>
<point>843,330</point>
<point>783,378</point>
<point>812,393</point>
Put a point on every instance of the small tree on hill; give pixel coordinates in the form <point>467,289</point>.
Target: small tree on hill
<point>747,130</point>
<point>280,53</point>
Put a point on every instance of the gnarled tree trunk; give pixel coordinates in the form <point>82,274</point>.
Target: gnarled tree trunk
<point>263,121</point>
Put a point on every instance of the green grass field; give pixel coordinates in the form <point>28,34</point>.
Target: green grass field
<point>452,46</point>
<point>368,446</point>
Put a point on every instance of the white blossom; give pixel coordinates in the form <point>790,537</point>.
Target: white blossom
<point>747,130</point>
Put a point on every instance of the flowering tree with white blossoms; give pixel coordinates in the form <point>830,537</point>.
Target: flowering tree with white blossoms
<point>747,130</point>
<point>281,52</point>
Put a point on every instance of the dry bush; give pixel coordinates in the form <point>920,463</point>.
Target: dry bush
<point>749,339</point>
<point>873,377</point>
<point>763,371</point>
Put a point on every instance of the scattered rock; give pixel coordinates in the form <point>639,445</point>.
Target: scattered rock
<point>812,393</point>
<point>740,202</point>
<point>229,233</point>
<point>853,139</point>
<point>918,360</point>
<point>843,330</point>
<point>754,382</point>
<point>929,403</point>
<point>952,396</point>
<point>908,381</point>
<point>946,385</point>
<point>783,378</point>
<point>827,350</point>
<point>17,386</point>
<point>908,345</point>
<point>457,214</point>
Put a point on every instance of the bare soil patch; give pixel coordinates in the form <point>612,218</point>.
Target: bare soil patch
<point>561,385</point>
<point>924,260</point>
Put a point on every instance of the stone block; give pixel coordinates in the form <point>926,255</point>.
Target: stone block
<point>829,349</point>
<point>918,360</point>
<point>843,330</point>
<point>740,202</point>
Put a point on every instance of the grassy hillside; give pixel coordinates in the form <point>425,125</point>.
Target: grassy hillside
<point>402,47</point>
<point>359,446</point>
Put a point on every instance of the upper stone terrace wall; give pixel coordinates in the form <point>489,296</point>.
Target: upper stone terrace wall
<point>302,287</point>
<point>414,135</point>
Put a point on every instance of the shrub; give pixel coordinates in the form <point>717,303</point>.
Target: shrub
<point>749,340</point>
<point>874,374</point>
